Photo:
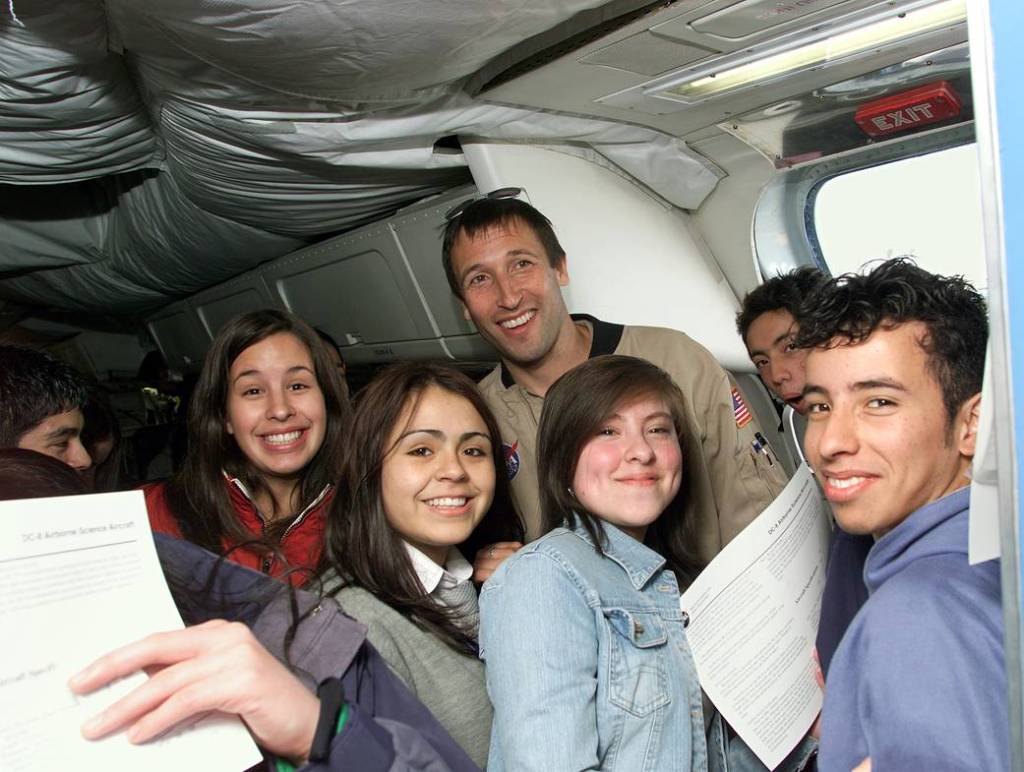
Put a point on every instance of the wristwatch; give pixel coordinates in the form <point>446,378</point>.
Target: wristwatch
<point>332,699</point>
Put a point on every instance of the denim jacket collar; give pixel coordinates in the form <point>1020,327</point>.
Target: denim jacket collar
<point>639,561</point>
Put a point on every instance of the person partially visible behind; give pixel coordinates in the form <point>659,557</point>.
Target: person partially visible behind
<point>266,430</point>
<point>101,436</point>
<point>28,474</point>
<point>424,479</point>
<point>894,375</point>
<point>163,433</point>
<point>767,322</point>
<point>41,401</point>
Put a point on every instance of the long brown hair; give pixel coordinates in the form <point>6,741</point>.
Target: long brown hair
<point>362,547</point>
<point>575,409</point>
<point>197,495</point>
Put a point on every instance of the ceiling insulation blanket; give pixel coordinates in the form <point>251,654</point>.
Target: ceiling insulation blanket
<point>153,148</point>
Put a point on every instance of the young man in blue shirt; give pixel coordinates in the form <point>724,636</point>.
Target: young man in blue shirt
<point>894,374</point>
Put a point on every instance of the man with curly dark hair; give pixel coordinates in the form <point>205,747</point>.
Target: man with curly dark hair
<point>894,374</point>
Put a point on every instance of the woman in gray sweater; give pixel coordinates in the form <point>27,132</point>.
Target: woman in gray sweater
<point>424,486</point>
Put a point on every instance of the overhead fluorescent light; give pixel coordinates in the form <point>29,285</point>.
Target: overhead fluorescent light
<point>897,26</point>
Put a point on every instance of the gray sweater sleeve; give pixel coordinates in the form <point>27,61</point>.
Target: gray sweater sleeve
<point>384,642</point>
<point>367,609</point>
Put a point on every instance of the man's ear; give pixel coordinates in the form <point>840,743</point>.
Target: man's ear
<point>562,271</point>
<point>465,312</point>
<point>966,429</point>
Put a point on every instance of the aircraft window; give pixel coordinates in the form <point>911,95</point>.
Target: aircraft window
<point>927,206</point>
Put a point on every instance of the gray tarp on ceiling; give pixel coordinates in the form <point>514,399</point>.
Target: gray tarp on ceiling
<point>150,148</point>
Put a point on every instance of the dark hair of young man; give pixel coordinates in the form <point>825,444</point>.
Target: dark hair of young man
<point>487,213</point>
<point>197,494</point>
<point>575,408</point>
<point>849,308</point>
<point>361,545</point>
<point>35,385</point>
<point>26,474</point>
<point>784,292</point>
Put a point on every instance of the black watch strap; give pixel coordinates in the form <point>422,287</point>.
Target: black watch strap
<point>332,698</point>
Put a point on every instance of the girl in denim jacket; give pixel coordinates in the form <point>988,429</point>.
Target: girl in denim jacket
<point>587,662</point>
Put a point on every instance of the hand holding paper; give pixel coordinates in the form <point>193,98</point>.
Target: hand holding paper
<point>218,666</point>
<point>79,577</point>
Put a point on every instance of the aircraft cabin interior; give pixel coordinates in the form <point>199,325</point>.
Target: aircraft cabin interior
<point>165,166</point>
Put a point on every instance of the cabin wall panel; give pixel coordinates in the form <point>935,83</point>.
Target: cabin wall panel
<point>180,336</point>
<point>726,218</point>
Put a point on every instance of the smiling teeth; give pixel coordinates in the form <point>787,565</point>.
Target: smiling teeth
<point>282,439</point>
<point>519,321</point>
<point>847,482</point>
<point>450,501</point>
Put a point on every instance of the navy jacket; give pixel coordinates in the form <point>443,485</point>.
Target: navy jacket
<point>844,592</point>
<point>387,729</point>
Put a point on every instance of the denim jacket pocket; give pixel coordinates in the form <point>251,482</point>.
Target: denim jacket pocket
<point>637,669</point>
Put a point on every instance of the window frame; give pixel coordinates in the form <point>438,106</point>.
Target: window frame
<point>784,233</point>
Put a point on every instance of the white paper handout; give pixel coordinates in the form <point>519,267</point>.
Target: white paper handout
<point>754,617</point>
<point>79,576</point>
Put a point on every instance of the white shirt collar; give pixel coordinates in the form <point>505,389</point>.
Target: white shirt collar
<point>456,569</point>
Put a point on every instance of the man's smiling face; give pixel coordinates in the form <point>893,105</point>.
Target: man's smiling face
<point>510,290</point>
<point>878,435</point>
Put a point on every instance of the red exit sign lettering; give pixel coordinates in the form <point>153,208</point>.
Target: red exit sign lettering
<point>911,109</point>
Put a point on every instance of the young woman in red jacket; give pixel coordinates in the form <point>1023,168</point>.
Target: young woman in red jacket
<point>266,426</point>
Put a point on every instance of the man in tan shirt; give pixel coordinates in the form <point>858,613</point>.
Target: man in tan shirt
<point>505,264</point>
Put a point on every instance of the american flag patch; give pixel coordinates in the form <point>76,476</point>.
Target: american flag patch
<point>739,409</point>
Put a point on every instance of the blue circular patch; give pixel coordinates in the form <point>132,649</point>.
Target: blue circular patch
<point>511,458</point>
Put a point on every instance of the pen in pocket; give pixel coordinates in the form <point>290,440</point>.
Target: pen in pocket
<point>760,445</point>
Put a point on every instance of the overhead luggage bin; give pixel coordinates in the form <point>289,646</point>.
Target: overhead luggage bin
<point>354,287</point>
<point>179,335</point>
<point>217,305</point>
<point>379,291</point>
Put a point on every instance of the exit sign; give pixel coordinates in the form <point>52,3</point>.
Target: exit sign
<point>909,110</point>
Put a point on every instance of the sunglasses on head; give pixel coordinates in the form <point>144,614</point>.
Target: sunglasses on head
<point>500,193</point>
